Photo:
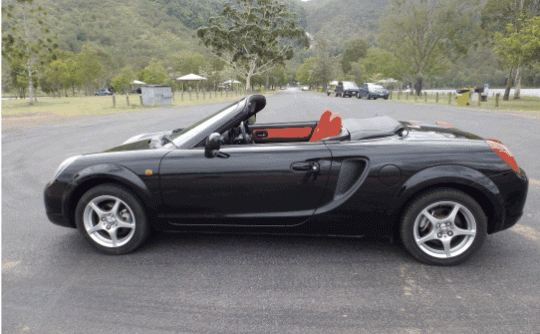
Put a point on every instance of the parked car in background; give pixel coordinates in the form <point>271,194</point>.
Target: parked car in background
<point>346,88</point>
<point>104,91</point>
<point>305,88</point>
<point>373,91</point>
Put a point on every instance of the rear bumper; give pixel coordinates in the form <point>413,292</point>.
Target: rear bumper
<point>513,188</point>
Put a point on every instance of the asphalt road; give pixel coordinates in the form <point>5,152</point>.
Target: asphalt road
<point>53,282</point>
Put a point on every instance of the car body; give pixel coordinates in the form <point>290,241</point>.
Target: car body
<point>305,88</point>
<point>346,88</point>
<point>439,189</point>
<point>373,91</point>
<point>103,92</point>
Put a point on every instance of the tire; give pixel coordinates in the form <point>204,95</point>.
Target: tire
<point>443,227</point>
<point>343,94</point>
<point>111,219</point>
<point>369,97</point>
<point>358,96</point>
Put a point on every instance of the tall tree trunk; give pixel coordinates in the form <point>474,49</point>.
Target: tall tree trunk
<point>248,81</point>
<point>418,85</point>
<point>508,84</point>
<point>517,91</point>
<point>30,86</point>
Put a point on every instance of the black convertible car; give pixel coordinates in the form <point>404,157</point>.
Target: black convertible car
<point>438,189</point>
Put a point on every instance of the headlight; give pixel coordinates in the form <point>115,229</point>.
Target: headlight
<point>64,165</point>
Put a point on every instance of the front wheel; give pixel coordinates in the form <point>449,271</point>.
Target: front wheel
<point>358,96</point>
<point>111,219</point>
<point>443,227</point>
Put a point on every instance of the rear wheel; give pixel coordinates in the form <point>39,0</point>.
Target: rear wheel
<point>443,227</point>
<point>111,219</point>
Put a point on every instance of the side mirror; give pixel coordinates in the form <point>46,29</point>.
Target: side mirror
<point>212,145</point>
<point>251,120</point>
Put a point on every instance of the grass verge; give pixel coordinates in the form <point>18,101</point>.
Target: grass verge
<point>101,105</point>
<point>525,104</point>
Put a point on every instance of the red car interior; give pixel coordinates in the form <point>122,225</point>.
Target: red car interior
<point>329,125</point>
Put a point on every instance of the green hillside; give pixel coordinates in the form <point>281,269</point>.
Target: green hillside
<point>341,20</point>
<point>134,31</point>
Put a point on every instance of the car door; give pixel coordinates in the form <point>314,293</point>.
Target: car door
<point>363,90</point>
<point>261,184</point>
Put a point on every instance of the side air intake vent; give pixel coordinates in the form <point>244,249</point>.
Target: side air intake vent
<point>349,174</point>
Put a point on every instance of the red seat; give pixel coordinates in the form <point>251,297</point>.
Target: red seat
<point>334,128</point>
<point>329,125</point>
<point>322,127</point>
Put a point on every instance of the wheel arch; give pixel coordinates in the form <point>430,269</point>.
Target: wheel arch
<point>464,179</point>
<point>106,174</point>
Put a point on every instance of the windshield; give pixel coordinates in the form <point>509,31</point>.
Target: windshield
<point>188,133</point>
<point>349,85</point>
<point>378,86</point>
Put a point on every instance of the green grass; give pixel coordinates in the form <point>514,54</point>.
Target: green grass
<point>100,105</point>
<point>525,104</point>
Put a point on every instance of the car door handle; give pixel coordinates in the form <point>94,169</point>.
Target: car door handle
<point>312,167</point>
<point>261,134</point>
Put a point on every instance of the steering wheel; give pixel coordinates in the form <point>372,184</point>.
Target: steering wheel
<point>245,133</point>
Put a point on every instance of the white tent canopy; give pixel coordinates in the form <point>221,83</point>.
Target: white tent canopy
<point>228,82</point>
<point>191,77</point>
<point>137,82</point>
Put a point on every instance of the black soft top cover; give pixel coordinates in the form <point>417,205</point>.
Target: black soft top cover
<point>374,127</point>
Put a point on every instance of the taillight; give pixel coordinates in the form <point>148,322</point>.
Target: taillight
<point>504,153</point>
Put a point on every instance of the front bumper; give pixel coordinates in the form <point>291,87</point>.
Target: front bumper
<point>53,197</point>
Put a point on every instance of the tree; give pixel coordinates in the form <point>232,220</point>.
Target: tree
<point>153,74</point>
<point>424,32</point>
<point>253,36</point>
<point>380,64</point>
<point>497,16</point>
<point>121,81</point>
<point>26,39</point>
<point>520,47</point>
<point>55,76</point>
<point>305,73</point>
<point>354,50</point>
<point>90,67</point>
<point>324,69</point>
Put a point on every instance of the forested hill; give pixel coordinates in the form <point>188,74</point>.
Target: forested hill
<point>134,31</point>
<point>131,30</point>
<point>340,20</point>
